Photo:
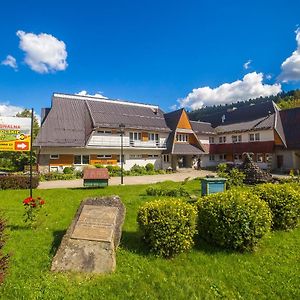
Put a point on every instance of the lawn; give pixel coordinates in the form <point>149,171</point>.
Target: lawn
<point>272,272</point>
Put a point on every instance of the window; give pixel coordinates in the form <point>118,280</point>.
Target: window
<point>211,157</point>
<point>105,131</point>
<point>237,156</point>
<point>81,159</point>
<point>259,157</point>
<point>135,156</point>
<point>268,157</point>
<point>166,158</point>
<point>222,139</point>
<point>153,136</point>
<point>236,138</point>
<point>181,137</point>
<point>153,156</point>
<point>222,157</point>
<point>254,137</point>
<point>54,156</point>
<point>211,139</point>
<point>135,136</point>
<point>101,156</point>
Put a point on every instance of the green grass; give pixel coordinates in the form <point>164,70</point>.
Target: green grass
<point>272,272</point>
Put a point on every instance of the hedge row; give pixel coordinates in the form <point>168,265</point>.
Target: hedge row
<point>18,182</point>
<point>236,219</point>
<point>163,191</point>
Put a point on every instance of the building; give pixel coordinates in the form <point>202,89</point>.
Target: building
<point>82,130</point>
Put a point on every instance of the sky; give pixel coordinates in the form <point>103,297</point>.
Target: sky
<point>170,53</point>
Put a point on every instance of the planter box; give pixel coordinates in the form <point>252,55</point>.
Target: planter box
<point>212,185</point>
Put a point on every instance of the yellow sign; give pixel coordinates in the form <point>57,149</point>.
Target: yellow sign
<point>15,134</point>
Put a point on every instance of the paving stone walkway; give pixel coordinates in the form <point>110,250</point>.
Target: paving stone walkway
<point>128,180</point>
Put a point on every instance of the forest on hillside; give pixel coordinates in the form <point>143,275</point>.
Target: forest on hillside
<point>284,100</point>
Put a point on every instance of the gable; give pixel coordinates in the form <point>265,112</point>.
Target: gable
<point>184,122</point>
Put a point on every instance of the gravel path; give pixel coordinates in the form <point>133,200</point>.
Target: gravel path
<point>128,180</point>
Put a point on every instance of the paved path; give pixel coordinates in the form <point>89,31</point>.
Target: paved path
<point>128,180</point>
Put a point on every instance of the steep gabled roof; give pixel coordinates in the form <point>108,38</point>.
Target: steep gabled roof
<point>68,123</point>
<point>172,118</point>
<point>290,119</point>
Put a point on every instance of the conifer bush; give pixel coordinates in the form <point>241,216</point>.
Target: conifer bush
<point>168,226</point>
<point>234,219</point>
<point>284,202</point>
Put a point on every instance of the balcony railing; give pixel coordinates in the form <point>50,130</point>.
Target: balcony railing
<point>115,141</point>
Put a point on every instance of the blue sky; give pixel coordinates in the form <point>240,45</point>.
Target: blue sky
<point>147,51</point>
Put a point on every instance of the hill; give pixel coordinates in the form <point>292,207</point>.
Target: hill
<point>284,100</point>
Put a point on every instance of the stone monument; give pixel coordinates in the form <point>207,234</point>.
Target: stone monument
<point>90,243</point>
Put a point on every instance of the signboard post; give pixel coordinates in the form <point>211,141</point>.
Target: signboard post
<point>16,135</point>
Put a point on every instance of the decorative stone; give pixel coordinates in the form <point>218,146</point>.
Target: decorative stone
<point>90,243</point>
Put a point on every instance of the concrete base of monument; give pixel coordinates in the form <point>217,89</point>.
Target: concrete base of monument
<point>90,243</point>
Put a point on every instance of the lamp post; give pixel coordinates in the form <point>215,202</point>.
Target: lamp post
<point>122,129</point>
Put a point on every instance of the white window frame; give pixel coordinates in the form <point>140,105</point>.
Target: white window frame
<point>257,136</point>
<point>81,159</point>
<point>153,156</point>
<point>166,158</point>
<point>251,137</point>
<point>261,156</point>
<point>211,139</point>
<point>237,156</point>
<point>222,139</point>
<point>135,156</point>
<point>211,157</point>
<point>104,131</point>
<point>104,156</point>
<point>135,136</point>
<point>182,137</point>
<point>268,157</point>
<point>152,136</point>
<point>54,156</point>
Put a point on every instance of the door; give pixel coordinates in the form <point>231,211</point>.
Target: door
<point>279,161</point>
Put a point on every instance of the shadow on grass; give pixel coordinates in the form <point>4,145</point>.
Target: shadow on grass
<point>204,246</point>
<point>132,241</point>
<point>57,237</point>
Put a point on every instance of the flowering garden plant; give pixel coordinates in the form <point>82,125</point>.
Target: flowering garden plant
<point>32,209</point>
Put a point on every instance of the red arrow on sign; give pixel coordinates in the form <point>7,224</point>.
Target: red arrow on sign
<point>23,146</point>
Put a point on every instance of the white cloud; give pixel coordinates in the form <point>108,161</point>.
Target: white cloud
<point>246,65</point>
<point>43,52</point>
<point>85,93</point>
<point>7,110</point>
<point>251,86</point>
<point>10,61</point>
<point>290,68</point>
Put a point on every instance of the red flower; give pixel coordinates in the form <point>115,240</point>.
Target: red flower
<point>42,202</point>
<point>27,200</point>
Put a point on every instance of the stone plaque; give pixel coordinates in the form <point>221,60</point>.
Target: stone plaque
<point>95,223</point>
<point>90,243</point>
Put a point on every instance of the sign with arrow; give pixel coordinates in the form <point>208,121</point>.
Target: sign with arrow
<point>15,134</point>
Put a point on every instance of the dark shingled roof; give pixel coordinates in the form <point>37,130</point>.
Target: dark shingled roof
<point>202,127</point>
<point>242,114</point>
<point>172,118</point>
<point>290,119</point>
<point>186,149</point>
<point>111,114</point>
<point>68,123</point>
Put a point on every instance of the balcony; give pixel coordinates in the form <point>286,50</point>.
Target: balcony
<point>111,141</point>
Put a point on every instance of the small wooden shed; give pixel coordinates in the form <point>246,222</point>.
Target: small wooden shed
<point>95,177</point>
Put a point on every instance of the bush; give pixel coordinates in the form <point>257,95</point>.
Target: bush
<point>138,170</point>
<point>233,175</point>
<point>163,191</point>
<point>3,258</point>
<point>234,219</point>
<point>284,202</point>
<point>58,176</point>
<point>15,182</point>
<point>149,167</point>
<point>68,170</point>
<point>168,226</point>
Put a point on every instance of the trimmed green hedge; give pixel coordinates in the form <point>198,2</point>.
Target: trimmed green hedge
<point>16,182</point>
<point>164,191</point>
<point>234,219</point>
<point>284,202</point>
<point>168,226</point>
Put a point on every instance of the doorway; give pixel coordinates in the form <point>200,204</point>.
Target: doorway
<point>279,161</point>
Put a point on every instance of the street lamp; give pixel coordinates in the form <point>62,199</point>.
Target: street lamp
<point>122,131</point>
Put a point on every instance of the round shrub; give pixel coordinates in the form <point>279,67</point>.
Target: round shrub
<point>149,167</point>
<point>234,219</point>
<point>68,170</point>
<point>284,202</point>
<point>168,226</point>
